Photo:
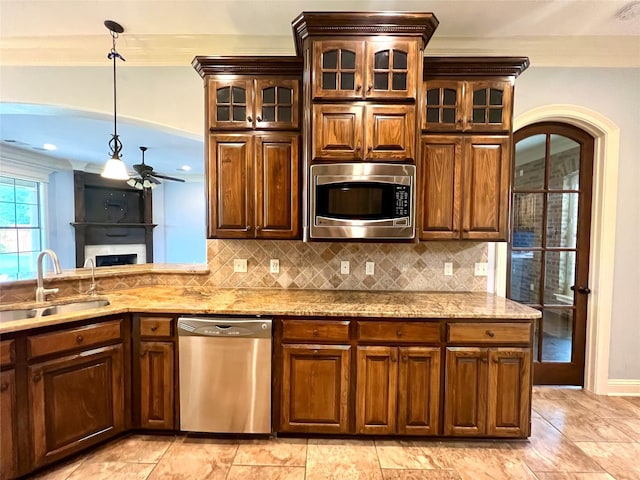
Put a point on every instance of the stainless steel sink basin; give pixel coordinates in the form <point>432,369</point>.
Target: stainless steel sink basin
<point>11,315</point>
<point>74,307</point>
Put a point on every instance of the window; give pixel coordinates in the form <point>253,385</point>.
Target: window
<point>20,228</point>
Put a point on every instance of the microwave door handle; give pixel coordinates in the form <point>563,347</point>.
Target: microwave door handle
<point>333,179</point>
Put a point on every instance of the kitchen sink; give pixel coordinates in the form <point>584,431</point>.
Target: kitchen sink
<point>74,307</point>
<point>21,314</point>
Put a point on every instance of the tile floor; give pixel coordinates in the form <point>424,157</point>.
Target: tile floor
<point>576,436</point>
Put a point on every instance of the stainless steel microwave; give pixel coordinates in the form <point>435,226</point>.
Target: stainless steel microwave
<point>362,200</point>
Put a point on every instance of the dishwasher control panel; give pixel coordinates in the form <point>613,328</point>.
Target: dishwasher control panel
<point>225,327</point>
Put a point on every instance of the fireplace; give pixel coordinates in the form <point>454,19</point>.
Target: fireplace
<point>109,255</point>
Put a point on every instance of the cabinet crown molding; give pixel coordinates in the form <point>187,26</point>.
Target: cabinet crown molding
<point>248,65</point>
<point>362,24</point>
<point>474,66</point>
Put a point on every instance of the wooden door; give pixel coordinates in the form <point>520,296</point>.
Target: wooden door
<point>509,413</point>
<point>465,390</point>
<point>488,106</point>
<point>277,103</point>
<point>549,252</point>
<point>8,426</point>
<point>486,173</point>
<point>444,104</point>
<point>418,390</point>
<point>338,69</point>
<point>157,385</point>
<point>392,69</point>
<point>440,196</point>
<point>315,388</point>
<point>376,390</point>
<point>75,401</point>
<point>390,132</point>
<point>338,132</point>
<point>230,103</point>
<point>230,186</point>
<point>277,186</point>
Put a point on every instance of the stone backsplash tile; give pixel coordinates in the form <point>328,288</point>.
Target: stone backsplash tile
<point>316,265</point>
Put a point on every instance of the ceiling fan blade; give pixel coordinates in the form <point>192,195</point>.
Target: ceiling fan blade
<point>166,177</point>
<point>153,180</point>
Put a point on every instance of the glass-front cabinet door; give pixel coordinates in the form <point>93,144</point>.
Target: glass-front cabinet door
<point>230,103</point>
<point>391,69</point>
<point>443,106</point>
<point>338,69</point>
<point>276,103</point>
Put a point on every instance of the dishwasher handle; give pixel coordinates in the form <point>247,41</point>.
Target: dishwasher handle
<point>225,327</point>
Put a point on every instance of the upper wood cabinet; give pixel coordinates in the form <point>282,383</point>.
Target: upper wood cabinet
<point>252,103</point>
<point>359,69</point>
<point>467,106</point>
<point>359,132</point>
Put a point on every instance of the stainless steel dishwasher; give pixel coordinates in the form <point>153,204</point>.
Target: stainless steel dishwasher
<point>225,374</point>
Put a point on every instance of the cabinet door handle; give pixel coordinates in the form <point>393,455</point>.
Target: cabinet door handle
<point>358,88</point>
<point>258,118</point>
<point>4,387</point>
<point>154,328</point>
<point>399,333</point>
<point>79,339</point>
<point>36,378</point>
<point>358,148</point>
<point>316,333</point>
<point>249,118</point>
<point>581,289</point>
<point>490,333</point>
<point>369,88</point>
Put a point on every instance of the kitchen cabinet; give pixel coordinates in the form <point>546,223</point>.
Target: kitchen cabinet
<point>398,387</point>
<point>76,388</point>
<point>488,388</point>
<point>359,132</point>
<point>464,187</point>
<point>8,412</point>
<point>253,186</point>
<point>243,102</point>
<point>316,376</point>
<point>364,69</point>
<point>155,384</point>
<point>467,105</point>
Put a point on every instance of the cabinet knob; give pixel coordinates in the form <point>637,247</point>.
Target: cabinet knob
<point>258,118</point>
<point>4,387</point>
<point>405,358</point>
<point>369,88</point>
<point>316,333</point>
<point>358,148</point>
<point>154,328</point>
<point>358,88</point>
<point>143,353</point>
<point>258,228</point>
<point>490,333</point>
<point>79,339</point>
<point>399,333</point>
<point>484,360</point>
<point>36,378</point>
<point>249,118</point>
<point>370,148</point>
<point>315,352</point>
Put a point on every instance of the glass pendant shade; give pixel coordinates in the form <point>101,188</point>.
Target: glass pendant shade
<point>115,169</point>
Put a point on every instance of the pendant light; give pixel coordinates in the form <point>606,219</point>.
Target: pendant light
<point>115,167</point>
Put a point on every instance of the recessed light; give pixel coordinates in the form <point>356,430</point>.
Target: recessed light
<point>185,168</point>
<point>49,146</point>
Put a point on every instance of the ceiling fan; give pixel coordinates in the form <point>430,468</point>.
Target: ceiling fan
<point>147,177</point>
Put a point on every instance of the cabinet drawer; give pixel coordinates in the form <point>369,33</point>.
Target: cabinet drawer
<point>315,330</point>
<point>6,352</point>
<point>156,326</point>
<point>489,332</point>
<point>74,338</point>
<point>399,331</point>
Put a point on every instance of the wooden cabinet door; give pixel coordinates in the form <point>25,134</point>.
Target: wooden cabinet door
<point>439,197</point>
<point>418,390</point>
<point>315,388</point>
<point>465,404</point>
<point>443,109</point>
<point>486,168</point>
<point>8,425</point>
<point>509,413</point>
<point>392,69</point>
<point>338,132</point>
<point>230,103</point>
<point>277,198</point>
<point>390,132</point>
<point>75,401</point>
<point>376,390</point>
<point>338,69</point>
<point>229,176</point>
<point>157,385</point>
<point>276,103</point>
<point>488,106</point>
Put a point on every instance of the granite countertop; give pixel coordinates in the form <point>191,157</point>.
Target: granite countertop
<point>326,303</point>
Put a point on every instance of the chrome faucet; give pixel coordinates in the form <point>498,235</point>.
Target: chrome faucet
<point>42,292</point>
<point>92,287</point>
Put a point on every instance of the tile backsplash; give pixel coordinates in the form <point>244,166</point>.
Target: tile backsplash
<point>398,266</point>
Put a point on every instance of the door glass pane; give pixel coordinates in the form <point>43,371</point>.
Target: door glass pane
<point>480,97</point>
<point>399,60</point>
<point>495,115</point>
<point>239,95</point>
<point>348,60</point>
<point>433,115</point>
<point>564,163</point>
<point>347,81</point>
<point>529,168</point>
<point>380,81</point>
<point>559,276</point>
<point>449,115</point>
<point>329,81</point>
<point>381,60</point>
<point>223,95</point>
<point>495,97</point>
<point>479,115</point>
<point>449,97</point>
<point>399,81</point>
<point>284,95</point>
<point>433,96</point>
<point>222,114</point>
<point>557,334</point>
<point>269,95</point>
<point>528,210</point>
<point>284,114</point>
<point>239,114</point>
<point>562,220</point>
<point>330,59</point>
<point>268,114</point>
<point>525,276</point>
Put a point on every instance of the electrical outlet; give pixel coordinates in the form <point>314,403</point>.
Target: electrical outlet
<point>481,269</point>
<point>344,267</point>
<point>274,265</point>
<point>240,265</point>
<point>369,268</point>
<point>448,269</point>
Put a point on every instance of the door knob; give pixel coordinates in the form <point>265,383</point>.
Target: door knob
<point>581,289</point>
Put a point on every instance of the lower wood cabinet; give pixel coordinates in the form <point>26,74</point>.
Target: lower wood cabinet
<point>75,401</point>
<point>315,388</point>
<point>157,385</point>
<point>487,391</point>
<point>398,390</point>
<point>8,425</point>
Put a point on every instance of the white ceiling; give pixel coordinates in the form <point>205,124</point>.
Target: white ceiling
<point>171,32</point>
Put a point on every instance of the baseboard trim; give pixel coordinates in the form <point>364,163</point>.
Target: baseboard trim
<point>630,388</point>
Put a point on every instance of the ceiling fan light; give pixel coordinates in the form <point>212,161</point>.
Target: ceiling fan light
<point>146,183</point>
<point>115,169</point>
